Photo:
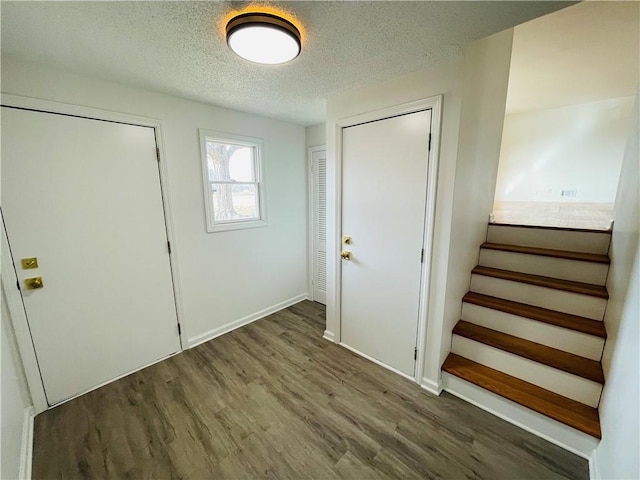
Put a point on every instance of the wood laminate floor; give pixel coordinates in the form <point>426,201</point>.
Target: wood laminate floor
<point>275,400</point>
<point>593,216</point>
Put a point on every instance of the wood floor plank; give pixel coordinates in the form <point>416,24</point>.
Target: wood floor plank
<point>275,400</point>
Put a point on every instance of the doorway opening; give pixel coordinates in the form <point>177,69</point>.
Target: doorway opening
<point>571,90</point>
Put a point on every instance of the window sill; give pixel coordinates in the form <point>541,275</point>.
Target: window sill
<point>223,227</point>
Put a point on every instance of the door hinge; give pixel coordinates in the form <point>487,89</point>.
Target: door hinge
<point>158,153</point>
<point>169,246</point>
<point>422,256</point>
<point>415,353</point>
<point>429,148</point>
<point>179,330</point>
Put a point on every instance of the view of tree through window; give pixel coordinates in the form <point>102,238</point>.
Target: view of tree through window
<point>233,183</point>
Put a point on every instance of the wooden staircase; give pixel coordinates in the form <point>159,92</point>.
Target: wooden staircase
<point>531,327</point>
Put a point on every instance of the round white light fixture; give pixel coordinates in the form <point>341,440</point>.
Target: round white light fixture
<point>263,38</point>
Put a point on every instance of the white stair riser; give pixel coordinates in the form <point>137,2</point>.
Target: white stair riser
<point>551,430</point>
<point>562,268</point>
<point>588,242</point>
<point>562,383</point>
<point>578,343</point>
<point>550,298</point>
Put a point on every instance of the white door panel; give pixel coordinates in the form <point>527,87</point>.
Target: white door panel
<point>384,192</point>
<point>84,197</point>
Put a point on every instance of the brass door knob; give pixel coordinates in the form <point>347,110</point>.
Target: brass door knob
<point>33,283</point>
<point>346,255</point>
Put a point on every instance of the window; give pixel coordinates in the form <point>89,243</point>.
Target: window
<point>233,188</point>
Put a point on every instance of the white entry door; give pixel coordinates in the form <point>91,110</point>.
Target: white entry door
<point>83,197</point>
<point>384,190</point>
<point>319,175</point>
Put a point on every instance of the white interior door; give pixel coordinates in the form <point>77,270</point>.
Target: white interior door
<point>83,197</point>
<point>319,170</point>
<point>384,182</point>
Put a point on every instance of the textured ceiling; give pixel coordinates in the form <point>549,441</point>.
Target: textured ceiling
<point>178,47</point>
<point>585,53</point>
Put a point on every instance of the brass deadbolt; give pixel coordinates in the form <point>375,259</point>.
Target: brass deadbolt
<point>28,263</point>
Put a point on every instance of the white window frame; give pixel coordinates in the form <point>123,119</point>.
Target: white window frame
<point>236,224</point>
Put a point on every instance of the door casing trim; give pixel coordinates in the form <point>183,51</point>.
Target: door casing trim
<point>21,328</point>
<point>334,282</point>
<point>14,300</point>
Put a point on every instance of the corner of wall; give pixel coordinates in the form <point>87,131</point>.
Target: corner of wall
<point>617,454</point>
<point>16,420</point>
<point>594,468</point>
<point>431,386</point>
<point>26,448</point>
<point>329,336</point>
<point>316,135</point>
<point>486,78</point>
<point>218,331</point>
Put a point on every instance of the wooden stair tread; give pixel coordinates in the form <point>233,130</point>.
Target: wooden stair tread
<point>539,280</point>
<point>549,227</point>
<point>562,409</point>
<point>548,252</point>
<point>567,362</point>
<point>559,319</point>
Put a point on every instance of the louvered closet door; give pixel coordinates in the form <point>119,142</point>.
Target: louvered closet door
<point>319,162</point>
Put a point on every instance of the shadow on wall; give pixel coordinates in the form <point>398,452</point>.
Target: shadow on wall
<point>568,154</point>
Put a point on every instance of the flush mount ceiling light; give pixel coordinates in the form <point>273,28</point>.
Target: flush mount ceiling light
<point>263,38</point>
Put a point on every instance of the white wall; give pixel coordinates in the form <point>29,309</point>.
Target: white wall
<point>486,77</point>
<point>316,135</point>
<point>578,147</point>
<point>444,79</point>
<point>617,455</point>
<point>224,276</point>
<point>14,398</point>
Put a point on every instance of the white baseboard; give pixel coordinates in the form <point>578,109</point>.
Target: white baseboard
<point>26,448</point>
<point>377,362</point>
<point>565,437</point>
<point>432,386</point>
<point>216,332</point>
<point>594,468</point>
<point>329,336</point>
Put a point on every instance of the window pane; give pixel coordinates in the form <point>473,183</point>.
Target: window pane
<point>230,163</point>
<point>234,202</point>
